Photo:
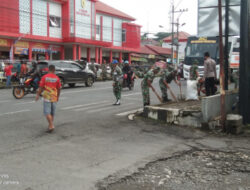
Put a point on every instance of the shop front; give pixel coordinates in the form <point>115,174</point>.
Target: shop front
<point>5,46</point>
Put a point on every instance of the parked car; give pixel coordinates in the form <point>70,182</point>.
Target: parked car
<point>98,68</point>
<point>69,72</point>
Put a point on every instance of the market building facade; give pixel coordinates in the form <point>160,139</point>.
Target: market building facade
<point>66,29</point>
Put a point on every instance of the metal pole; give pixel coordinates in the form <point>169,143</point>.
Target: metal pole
<point>222,74</point>
<point>177,45</point>
<point>244,93</point>
<point>172,45</point>
<point>226,43</point>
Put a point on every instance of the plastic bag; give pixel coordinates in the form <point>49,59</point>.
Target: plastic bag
<point>191,93</point>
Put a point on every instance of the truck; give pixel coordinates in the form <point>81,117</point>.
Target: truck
<point>197,46</point>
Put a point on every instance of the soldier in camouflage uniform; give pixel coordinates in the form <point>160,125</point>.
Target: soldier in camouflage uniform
<point>117,85</point>
<point>167,76</point>
<point>147,83</point>
<point>194,71</point>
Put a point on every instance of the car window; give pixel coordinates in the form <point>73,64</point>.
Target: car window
<point>65,65</point>
<point>75,67</point>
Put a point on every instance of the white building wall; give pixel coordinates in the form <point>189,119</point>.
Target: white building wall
<point>39,17</point>
<point>107,28</point>
<point>117,32</point>
<point>83,19</point>
<point>24,16</point>
<point>55,11</point>
<point>98,23</point>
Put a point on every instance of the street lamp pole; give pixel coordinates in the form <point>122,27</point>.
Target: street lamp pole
<point>172,44</point>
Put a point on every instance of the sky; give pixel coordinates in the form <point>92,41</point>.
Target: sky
<point>152,13</point>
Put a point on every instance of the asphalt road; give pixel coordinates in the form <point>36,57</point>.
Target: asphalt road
<point>93,139</point>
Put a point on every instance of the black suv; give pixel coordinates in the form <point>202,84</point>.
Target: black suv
<point>69,72</point>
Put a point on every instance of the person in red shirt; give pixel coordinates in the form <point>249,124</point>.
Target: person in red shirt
<point>50,89</point>
<point>24,69</point>
<point>8,72</point>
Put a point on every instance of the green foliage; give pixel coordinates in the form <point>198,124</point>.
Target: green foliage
<point>161,35</point>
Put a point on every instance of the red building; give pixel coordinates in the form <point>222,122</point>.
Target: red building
<point>66,29</point>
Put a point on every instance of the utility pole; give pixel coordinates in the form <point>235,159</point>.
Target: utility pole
<point>222,71</point>
<point>244,93</point>
<point>227,2</point>
<point>173,24</point>
<point>172,44</point>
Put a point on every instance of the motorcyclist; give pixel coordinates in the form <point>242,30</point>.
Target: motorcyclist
<point>128,71</point>
<point>35,74</point>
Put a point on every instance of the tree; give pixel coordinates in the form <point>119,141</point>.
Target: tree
<point>144,36</point>
<point>161,35</point>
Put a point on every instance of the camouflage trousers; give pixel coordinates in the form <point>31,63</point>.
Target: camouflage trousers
<point>164,90</point>
<point>117,89</point>
<point>145,93</point>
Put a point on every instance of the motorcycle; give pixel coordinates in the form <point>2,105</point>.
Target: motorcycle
<point>26,86</point>
<point>126,84</point>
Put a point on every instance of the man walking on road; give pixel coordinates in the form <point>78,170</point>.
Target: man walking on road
<point>147,83</point>
<point>50,87</point>
<point>117,84</point>
<point>209,74</point>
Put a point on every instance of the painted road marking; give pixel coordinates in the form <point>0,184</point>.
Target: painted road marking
<point>108,108</point>
<point>134,94</point>
<point>83,105</point>
<point>129,112</point>
<point>92,107</point>
<point>72,92</point>
<point>21,103</point>
<point>15,112</point>
<point>4,101</point>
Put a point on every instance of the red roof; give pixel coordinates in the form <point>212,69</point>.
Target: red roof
<point>106,9</point>
<point>146,50</point>
<point>160,50</point>
<point>183,36</point>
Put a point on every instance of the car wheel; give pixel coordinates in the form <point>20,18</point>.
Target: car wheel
<point>62,82</point>
<point>71,85</point>
<point>89,81</point>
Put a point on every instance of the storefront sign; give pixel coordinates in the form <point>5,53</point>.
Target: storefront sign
<point>82,10</point>
<point>4,42</point>
<point>203,40</point>
<point>151,56</point>
<point>39,48</point>
<point>21,51</point>
<point>139,59</point>
<point>22,44</point>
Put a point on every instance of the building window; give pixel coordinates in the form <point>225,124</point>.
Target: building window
<point>98,31</point>
<point>124,32</point>
<point>54,22</point>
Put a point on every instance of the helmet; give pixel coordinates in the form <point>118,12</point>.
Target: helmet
<point>115,62</point>
<point>126,62</point>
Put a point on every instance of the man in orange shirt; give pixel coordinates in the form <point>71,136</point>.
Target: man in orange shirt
<point>50,89</point>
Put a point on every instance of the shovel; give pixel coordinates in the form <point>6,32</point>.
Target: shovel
<point>158,96</point>
<point>171,92</point>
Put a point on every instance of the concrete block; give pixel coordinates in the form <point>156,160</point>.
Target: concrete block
<point>211,105</point>
<point>234,124</point>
